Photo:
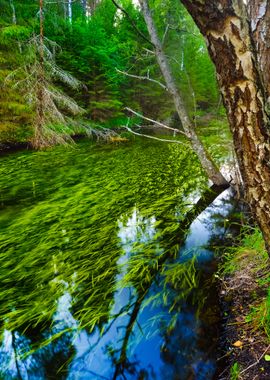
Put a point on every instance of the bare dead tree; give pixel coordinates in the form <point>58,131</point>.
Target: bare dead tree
<point>208,165</point>
<point>189,128</point>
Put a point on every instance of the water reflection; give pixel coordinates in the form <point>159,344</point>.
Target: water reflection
<point>104,277</point>
<point>21,359</point>
<point>153,331</point>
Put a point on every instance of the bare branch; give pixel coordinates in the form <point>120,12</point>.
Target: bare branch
<point>155,121</point>
<point>64,100</point>
<point>153,137</point>
<point>63,75</point>
<point>143,78</point>
<point>257,361</point>
<point>165,34</point>
<point>149,51</point>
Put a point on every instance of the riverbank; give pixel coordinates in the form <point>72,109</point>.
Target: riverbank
<point>106,135</point>
<point>7,147</point>
<point>245,296</point>
<point>211,133</point>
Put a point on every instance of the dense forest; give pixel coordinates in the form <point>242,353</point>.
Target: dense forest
<point>86,51</point>
<point>134,189</point>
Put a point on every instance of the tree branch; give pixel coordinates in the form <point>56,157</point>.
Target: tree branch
<point>143,78</point>
<point>149,51</point>
<point>257,361</point>
<point>179,30</point>
<point>153,137</point>
<point>155,121</point>
<point>165,34</point>
<point>131,21</point>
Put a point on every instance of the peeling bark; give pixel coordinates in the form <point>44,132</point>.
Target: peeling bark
<point>259,14</point>
<point>228,32</point>
<point>205,160</point>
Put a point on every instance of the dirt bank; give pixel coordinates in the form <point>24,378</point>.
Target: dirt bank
<point>245,341</point>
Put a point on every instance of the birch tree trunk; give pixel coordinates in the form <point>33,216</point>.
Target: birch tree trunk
<point>259,15</point>
<point>205,160</point>
<point>84,6</point>
<point>228,30</point>
<point>70,11</point>
<point>40,115</point>
<point>14,21</point>
<point>14,18</point>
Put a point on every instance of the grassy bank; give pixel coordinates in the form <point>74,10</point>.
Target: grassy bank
<point>215,134</point>
<point>245,291</point>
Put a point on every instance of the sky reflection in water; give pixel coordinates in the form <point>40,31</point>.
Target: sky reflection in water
<point>153,329</point>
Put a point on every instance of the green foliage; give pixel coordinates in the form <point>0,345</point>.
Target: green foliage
<point>259,315</point>
<point>251,246</point>
<point>216,136</point>
<point>92,49</point>
<point>235,371</point>
<point>250,256</point>
<point>58,196</point>
<point>187,52</point>
<point>14,32</point>
<point>15,114</point>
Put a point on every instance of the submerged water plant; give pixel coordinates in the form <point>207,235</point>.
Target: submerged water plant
<point>88,249</point>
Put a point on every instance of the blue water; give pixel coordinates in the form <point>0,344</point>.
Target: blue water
<point>62,318</point>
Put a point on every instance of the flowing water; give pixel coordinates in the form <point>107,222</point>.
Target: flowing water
<point>105,265</point>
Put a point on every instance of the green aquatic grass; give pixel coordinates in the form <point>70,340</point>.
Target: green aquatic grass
<point>217,138</point>
<point>59,220</point>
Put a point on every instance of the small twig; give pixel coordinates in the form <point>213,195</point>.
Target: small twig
<point>165,34</point>
<point>257,361</point>
<point>149,51</point>
<point>177,29</point>
<point>224,356</point>
<point>143,78</point>
<point>237,323</point>
<point>227,369</point>
<point>155,121</point>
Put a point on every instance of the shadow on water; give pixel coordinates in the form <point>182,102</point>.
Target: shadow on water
<point>106,270</point>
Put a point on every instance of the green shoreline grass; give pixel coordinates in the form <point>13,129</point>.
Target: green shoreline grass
<point>245,276</point>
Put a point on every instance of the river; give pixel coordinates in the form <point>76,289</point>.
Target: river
<point>106,265</point>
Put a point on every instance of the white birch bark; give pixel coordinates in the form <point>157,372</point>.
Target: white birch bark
<point>208,165</point>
